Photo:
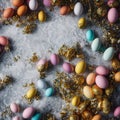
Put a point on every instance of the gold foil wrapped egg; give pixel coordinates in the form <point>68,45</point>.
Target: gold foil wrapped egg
<point>117,76</point>
<point>115,63</point>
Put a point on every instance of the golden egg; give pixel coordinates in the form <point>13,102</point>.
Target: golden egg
<point>31,93</point>
<point>76,101</point>
<point>96,90</point>
<point>106,106</point>
<point>74,117</point>
<point>117,76</point>
<point>82,22</point>
<point>115,63</point>
<point>86,115</point>
<point>42,16</point>
<point>108,91</point>
<point>22,10</point>
<point>97,117</point>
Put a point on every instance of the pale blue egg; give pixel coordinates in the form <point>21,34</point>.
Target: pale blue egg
<point>96,44</point>
<point>41,84</point>
<point>90,35</point>
<point>49,92</point>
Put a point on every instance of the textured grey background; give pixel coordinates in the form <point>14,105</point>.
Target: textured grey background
<point>51,35</point>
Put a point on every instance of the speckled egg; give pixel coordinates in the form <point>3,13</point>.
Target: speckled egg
<point>87,91</point>
<point>101,81</point>
<point>42,16</point>
<point>108,54</point>
<point>14,107</point>
<point>75,101</point>
<point>54,59</point>
<point>97,117</point>
<point>41,84</point>
<point>4,41</point>
<point>78,9</point>
<point>102,70</point>
<point>64,10</point>
<point>16,118</point>
<point>112,15</point>
<point>90,35</point>
<point>22,10</point>
<point>47,3</point>
<point>37,116</point>
<point>80,67</point>
<point>67,67</point>
<point>17,3</point>
<point>117,111</point>
<point>117,76</point>
<point>90,80</point>
<point>33,4</point>
<point>82,22</point>
<point>96,44</point>
<point>8,13</point>
<point>49,92</point>
<point>28,112</point>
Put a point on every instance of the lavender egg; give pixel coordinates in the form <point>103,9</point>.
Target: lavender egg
<point>112,15</point>
<point>54,59</point>
<point>47,3</point>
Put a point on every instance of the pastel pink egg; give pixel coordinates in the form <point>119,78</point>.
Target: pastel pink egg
<point>101,70</point>
<point>101,82</point>
<point>47,3</point>
<point>67,67</point>
<point>28,112</point>
<point>112,15</point>
<point>16,118</point>
<point>14,107</point>
<point>117,111</point>
<point>42,62</point>
<point>54,59</point>
<point>3,41</point>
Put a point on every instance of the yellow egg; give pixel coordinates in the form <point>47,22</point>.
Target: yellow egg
<point>117,76</point>
<point>87,91</point>
<point>90,80</point>
<point>80,67</point>
<point>96,90</point>
<point>76,101</point>
<point>97,117</point>
<point>41,16</point>
<point>31,93</point>
<point>82,22</point>
<point>74,117</point>
<point>22,10</point>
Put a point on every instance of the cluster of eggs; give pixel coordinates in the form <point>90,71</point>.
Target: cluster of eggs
<point>28,113</point>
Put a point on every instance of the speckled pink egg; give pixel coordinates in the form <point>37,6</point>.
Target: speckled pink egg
<point>3,41</point>
<point>14,107</point>
<point>42,62</point>
<point>68,68</point>
<point>112,15</point>
<point>101,70</point>
<point>47,3</point>
<point>119,56</point>
<point>117,111</point>
<point>54,59</point>
<point>16,118</point>
<point>28,112</point>
<point>101,81</point>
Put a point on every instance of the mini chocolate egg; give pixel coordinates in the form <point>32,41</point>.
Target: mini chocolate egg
<point>64,10</point>
<point>14,107</point>
<point>113,3</point>
<point>8,13</point>
<point>96,44</point>
<point>47,3</point>
<point>37,116</point>
<point>42,16</point>
<point>112,15</point>
<point>17,3</point>
<point>28,112</point>
<point>90,35</point>
<point>82,22</point>
<point>102,70</point>
<point>22,10</point>
<point>96,90</point>
<point>90,80</point>
<point>16,118</point>
<point>49,92</point>
<point>80,67</point>
<point>87,91</point>
<point>67,67</point>
<point>33,4</point>
<point>41,84</point>
<point>78,9</point>
<point>108,54</point>
<point>31,93</point>
<point>117,76</point>
<point>97,117</point>
<point>75,101</point>
<point>117,111</point>
<point>54,59</point>
<point>4,41</point>
<point>101,81</point>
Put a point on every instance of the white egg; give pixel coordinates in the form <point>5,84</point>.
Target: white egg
<point>95,44</point>
<point>33,4</point>
<point>78,9</point>
<point>41,84</point>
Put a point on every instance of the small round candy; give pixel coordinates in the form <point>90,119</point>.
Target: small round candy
<point>49,92</point>
<point>16,118</point>
<point>4,41</point>
<point>54,59</point>
<point>14,107</point>
<point>67,67</point>
<point>117,111</point>
<point>41,84</point>
<point>102,70</point>
<point>90,80</point>
<point>101,81</point>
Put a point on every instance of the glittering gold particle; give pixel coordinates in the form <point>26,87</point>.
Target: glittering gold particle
<point>34,58</point>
